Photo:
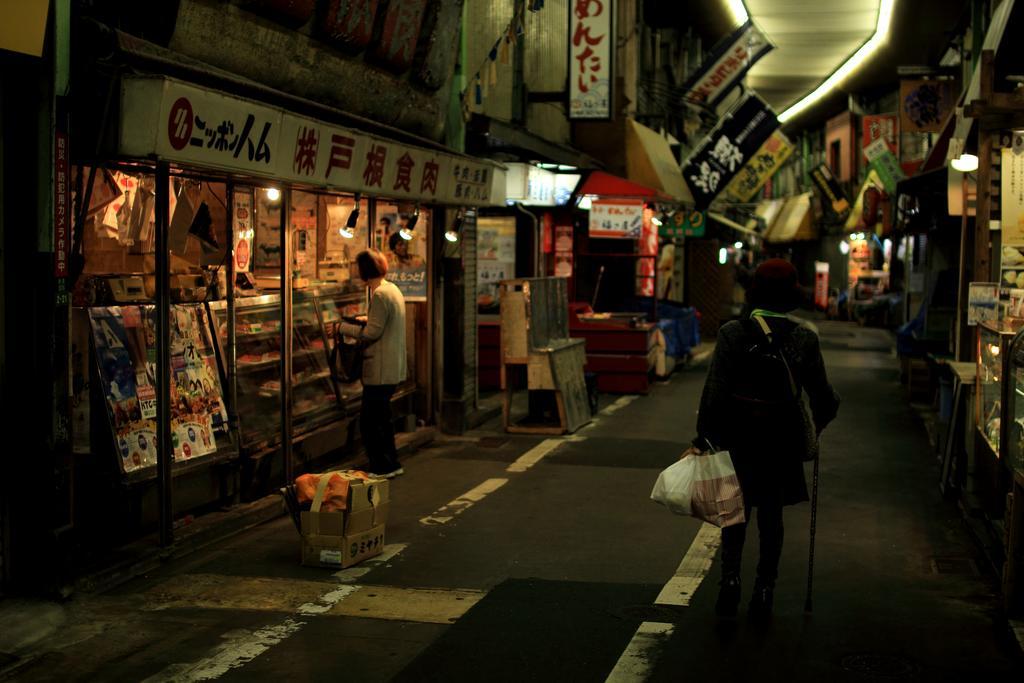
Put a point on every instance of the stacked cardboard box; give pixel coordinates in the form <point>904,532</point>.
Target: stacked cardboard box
<point>342,539</point>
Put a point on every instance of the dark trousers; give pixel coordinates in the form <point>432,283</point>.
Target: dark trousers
<point>376,428</point>
<point>769,528</point>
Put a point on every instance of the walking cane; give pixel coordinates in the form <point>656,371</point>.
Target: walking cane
<point>808,606</point>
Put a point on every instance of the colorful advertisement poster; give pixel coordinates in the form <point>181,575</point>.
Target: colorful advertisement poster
<point>832,195</point>
<point>728,148</point>
<point>407,258</point>
<point>125,342</point>
<point>881,126</point>
<point>885,163</point>
<point>496,256</point>
<point>591,59</point>
<point>244,232</point>
<point>563,251</point>
<point>760,169</point>
<point>982,302</point>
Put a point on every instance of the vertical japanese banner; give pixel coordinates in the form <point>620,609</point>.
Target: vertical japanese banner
<point>591,52</point>
<point>648,248</point>
<point>881,126</point>
<point>728,148</point>
<point>1012,206</point>
<point>821,285</point>
<point>61,204</point>
<point>563,250</point>
<point>243,231</point>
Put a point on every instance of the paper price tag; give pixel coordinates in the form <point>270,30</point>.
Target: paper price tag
<point>330,557</point>
<point>147,402</point>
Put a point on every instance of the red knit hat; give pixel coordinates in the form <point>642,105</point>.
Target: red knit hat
<point>776,286</point>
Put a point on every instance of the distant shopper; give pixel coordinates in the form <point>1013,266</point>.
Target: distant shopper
<point>384,364</point>
<point>752,406</point>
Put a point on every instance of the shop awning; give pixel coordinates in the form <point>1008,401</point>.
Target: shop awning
<point>604,184</point>
<point>491,136</point>
<point>649,161</point>
<point>795,223</point>
<point>731,224</point>
<point>768,210</point>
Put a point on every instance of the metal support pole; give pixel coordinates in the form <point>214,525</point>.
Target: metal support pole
<point>231,362</point>
<point>286,335</point>
<point>165,452</point>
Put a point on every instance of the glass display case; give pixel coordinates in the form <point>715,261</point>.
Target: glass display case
<point>258,339</point>
<point>994,351</point>
<point>335,302</point>
<point>1015,407</point>
<point>124,339</point>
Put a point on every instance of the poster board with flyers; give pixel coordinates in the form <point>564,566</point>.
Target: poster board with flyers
<point>125,341</point>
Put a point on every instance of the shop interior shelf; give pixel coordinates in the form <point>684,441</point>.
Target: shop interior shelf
<point>224,454</point>
<point>252,366</point>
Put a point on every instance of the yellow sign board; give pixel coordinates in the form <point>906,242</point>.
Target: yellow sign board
<point>761,167</point>
<point>23,25</point>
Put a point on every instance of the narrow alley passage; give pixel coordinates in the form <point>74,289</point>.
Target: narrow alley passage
<point>523,558</point>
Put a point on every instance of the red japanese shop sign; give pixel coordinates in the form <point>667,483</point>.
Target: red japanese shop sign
<point>616,218</point>
<point>61,205</point>
<point>590,59</point>
<point>210,129</point>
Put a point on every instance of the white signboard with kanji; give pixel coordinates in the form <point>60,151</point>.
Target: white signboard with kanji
<point>186,124</point>
<point>591,58</point>
<point>618,218</point>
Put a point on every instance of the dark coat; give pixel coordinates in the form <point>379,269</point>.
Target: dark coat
<point>769,460</point>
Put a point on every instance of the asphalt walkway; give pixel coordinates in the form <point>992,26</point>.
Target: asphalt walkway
<point>526,558</point>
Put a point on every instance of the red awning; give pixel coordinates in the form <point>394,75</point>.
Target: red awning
<point>608,185</point>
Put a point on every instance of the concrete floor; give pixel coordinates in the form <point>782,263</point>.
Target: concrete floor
<point>501,567</point>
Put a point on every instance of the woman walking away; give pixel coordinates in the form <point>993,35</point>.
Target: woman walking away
<point>753,407</point>
<point>384,364</point>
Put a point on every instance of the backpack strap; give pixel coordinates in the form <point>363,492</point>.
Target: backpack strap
<point>770,336</point>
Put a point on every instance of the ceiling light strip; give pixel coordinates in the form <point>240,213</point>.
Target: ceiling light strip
<point>879,38</point>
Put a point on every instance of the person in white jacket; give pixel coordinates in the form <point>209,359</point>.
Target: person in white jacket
<point>384,361</point>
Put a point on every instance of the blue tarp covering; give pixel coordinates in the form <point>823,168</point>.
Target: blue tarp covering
<point>679,325</point>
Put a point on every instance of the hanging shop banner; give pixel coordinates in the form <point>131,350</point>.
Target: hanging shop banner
<point>591,59</point>
<point>563,251</point>
<point>242,214</point>
<point>821,285</point>
<point>982,302</point>
<point>684,224</point>
<point>926,104</point>
<point>646,268</point>
<point>885,163</point>
<point>884,126</point>
<point>832,195</point>
<point>186,124</point>
<point>729,147</point>
<point>616,218</point>
<point>1012,196</point>
<point>872,179</point>
<point>728,63</point>
<point>759,170</point>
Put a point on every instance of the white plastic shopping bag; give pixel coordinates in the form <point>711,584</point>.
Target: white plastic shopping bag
<point>704,486</point>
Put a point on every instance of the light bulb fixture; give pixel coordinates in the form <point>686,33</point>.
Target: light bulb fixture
<point>452,234</point>
<point>965,163</point>
<point>723,256</point>
<point>738,245</point>
<point>273,194</point>
<point>844,247</point>
<point>410,226</point>
<point>348,231</point>
<point>738,10</point>
<point>657,221</point>
<point>585,202</point>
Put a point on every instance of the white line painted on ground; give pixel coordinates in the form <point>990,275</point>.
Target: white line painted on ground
<point>635,662</point>
<point>695,566</point>
<point>326,601</point>
<point>352,574</point>
<point>619,404</point>
<point>239,648</point>
<point>538,452</point>
<point>447,513</point>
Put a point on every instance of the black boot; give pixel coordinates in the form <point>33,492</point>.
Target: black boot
<point>728,596</point>
<point>761,600</point>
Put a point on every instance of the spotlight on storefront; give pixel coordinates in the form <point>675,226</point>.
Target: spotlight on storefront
<point>348,232</point>
<point>452,234</point>
<point>657,221</point>
<point>410,226</point>
<point>585,202</point>
<point>844,247</point>
<point>723,256</point>
<point>738,245</point>
<point>965,163</point>
<point>273,194</point>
